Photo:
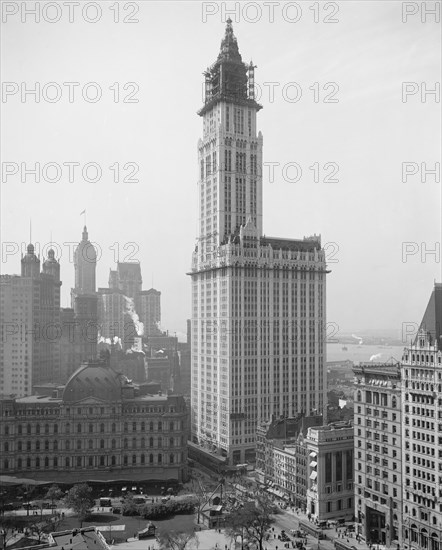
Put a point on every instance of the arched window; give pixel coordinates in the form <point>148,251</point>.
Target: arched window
<point>143,426</point>
<point>68,428</point>
<point>113,444</point>
<point>160,442</point>
<point>46,445</point>
<point>19,446</point>
<point>134,459</point>
<point>37,445</point>
<point>55,462</point>
<point>114,427</point>
<point>6,464</point>
<point>171,426</point>
<point>125,443</point>
<point>6,430</point>
<point>126,427</point>
<point>101,443</point>
<point>55,445</point>
<point>91,461</point>
<point>20,429</point>
<point>37,429</point>
<point>78,461</point>
<point>46,428</point>
<point>359,394</point>
<point>55,428</point>
<point>171,442</point>
<point>160,426</point>
<point>393,402</point>
<point>151,426</point>
<point>151,458</point>
<point>67,462</point>
<point>46,462</point>
<point>125,460</point>
<point>28,463</point>
<point>19,463</point>
<point>6,447</point>
<point>101,460</point>
<point>134,426</point>
<point>113,461</point>
<point>91,428</point>
<point>160,458</point>
<point>28,429</point>
<point>143,459</point>
<point>171,458</point>
<point>134,443</point>
<point>78,444</point>
<point>143,442</point>
<point>102,428</point>
<point>150,441</point>
<point>91,444</point>
<point>37,462</point>
<point>68,445</point>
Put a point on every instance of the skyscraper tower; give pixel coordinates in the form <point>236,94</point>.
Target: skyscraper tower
<point>29,321</point>
<point>258,303</point>
<point>84,300</point>
<point>85,263</point>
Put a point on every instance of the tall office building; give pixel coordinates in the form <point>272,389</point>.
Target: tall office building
<point>84,300</point>
<point>150,311</point>
<point>258,303</point>
<point>378,442</point>
<point>422,432</point>
<point>30,322</point>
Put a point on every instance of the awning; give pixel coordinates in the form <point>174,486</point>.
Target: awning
<point>313,475</point>
<point>313,454</point>
<point>313,464</point>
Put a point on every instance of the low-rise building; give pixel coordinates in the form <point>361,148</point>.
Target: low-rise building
<point>330,472</point>
<point>281,462</point>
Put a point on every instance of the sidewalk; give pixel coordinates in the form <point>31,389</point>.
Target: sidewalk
<point>332,534</point>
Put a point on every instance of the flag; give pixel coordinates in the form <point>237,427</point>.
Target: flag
<point>84,212</point>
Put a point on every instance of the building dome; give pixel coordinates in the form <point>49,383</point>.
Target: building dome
<point>95,379</point>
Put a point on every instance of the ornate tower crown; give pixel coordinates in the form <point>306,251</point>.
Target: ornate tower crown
<point>229,79</point>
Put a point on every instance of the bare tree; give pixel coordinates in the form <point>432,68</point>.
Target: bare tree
<point>252,521</point>
<point>54,493</point>
<point>174,540</point>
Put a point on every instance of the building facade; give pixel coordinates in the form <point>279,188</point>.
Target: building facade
<point>150,311</point>
<point>422,432</point>
<point>378,448</point>
<point>330,491</point>
<point>281,457</point>
<point>102,426</point>
<point>30,325</point>
<point>258,303</point>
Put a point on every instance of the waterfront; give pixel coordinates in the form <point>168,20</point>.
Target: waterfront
<point>361,354</point>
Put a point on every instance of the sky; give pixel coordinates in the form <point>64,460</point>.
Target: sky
<point>338,104</point>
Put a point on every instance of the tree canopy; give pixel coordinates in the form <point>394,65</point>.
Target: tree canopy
<point>79,498</point>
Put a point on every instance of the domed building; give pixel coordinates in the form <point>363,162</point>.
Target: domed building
<point>99,426</point>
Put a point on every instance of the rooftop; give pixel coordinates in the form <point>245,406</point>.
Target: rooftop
<point>87,538</point>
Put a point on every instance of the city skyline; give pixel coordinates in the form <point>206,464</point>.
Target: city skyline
<point>365,217</point>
